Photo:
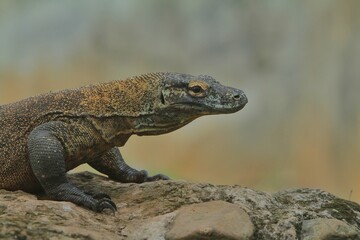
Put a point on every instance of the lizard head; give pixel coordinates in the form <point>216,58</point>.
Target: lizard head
<point>157,103</point>
<point>200,95</point>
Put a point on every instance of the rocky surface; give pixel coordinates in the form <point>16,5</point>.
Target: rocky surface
<point>218,219</point>
<point>181,210</point>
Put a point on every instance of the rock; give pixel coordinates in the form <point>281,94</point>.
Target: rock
<point>153,211</point>
<point>211,220</point>
<point>151,229</point>
<point>323,229</point>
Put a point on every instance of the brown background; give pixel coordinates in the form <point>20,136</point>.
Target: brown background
<point>298,62</point>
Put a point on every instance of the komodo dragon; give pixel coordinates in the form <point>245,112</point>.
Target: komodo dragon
<point>43,137</point>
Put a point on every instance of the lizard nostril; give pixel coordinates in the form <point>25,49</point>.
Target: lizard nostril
<point>236,97</point>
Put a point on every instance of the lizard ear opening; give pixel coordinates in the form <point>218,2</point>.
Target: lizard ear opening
<point>162,98</point>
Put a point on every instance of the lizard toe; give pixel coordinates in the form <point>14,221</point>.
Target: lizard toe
<point>137,177</point>
<point>100,195</point>
<point>105,205</point>
<point>157,177</point>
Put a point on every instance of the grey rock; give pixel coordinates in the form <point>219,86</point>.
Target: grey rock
<point>326,229</point>
<point>211,220</point>
<point>151,211</point>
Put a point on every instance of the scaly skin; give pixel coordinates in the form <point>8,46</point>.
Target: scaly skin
<point>45,136</point>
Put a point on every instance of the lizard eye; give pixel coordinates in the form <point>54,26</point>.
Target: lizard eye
<point>197,89</point>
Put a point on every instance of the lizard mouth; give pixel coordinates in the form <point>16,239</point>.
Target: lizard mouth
<point>214,108</point>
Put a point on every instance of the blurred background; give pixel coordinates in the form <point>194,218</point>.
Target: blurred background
<point>297,61</point>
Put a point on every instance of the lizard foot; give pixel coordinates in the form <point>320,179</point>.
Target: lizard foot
<point>100,202</point>
<point>104,201</point>
<point>135,176</point>
<point>144,177</point>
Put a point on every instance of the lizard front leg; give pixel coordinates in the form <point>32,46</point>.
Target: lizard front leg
<point>112,164</point>
<point>47,160</point>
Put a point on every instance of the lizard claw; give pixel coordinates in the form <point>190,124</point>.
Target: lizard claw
<point>146,178</point>
<point>157,177</point>
<point>105,204</point>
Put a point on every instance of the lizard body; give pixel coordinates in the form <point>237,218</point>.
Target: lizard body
<point>43,137</point>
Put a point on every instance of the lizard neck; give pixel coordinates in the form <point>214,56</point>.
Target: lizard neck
<point>159,124</point>
<point>116,130</point>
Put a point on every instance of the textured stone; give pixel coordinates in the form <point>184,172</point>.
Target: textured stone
<point>150,229</point>
<point>326,229</point>
<point>211,220</point>
<point>149,211</point>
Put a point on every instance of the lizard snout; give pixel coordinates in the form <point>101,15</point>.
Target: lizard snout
<point>239,96</point>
